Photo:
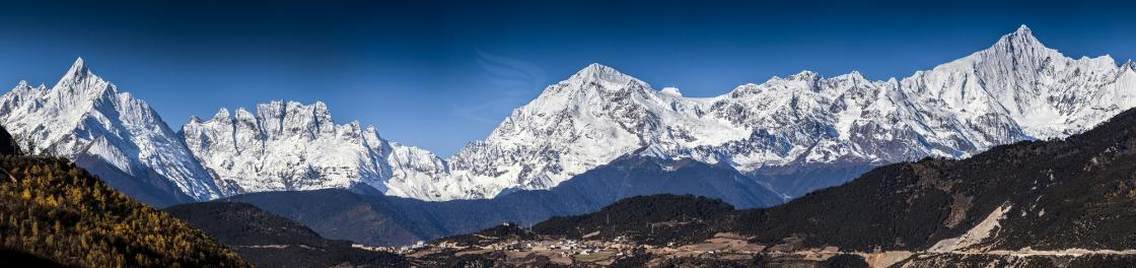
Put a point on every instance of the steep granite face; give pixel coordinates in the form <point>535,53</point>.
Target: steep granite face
<point>287,146</point>
<point>87,119</point>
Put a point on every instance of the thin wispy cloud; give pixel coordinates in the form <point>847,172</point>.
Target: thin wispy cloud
<point>514,81</point>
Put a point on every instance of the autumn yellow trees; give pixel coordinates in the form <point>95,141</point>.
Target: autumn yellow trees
<point>51,208</point>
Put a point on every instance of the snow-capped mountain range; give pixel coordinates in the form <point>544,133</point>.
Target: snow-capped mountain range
<point>1015,90</point>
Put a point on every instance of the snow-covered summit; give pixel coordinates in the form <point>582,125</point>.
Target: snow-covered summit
<point>295,146</point>
<point>599,73</point>
<point>84,115</point>
<point>1047,94</point>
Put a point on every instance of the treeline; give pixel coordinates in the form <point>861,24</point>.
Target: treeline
<point>503,232</point>
<point>54,209</point>
<point>268,240</point>
<point>655,219</point>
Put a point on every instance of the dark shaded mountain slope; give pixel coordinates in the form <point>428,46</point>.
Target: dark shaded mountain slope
<point>656,219</point>
<point>147,187</point>
<point>15,258</point>
<point>382,220</point>
<point>268,240</point>
<point>8,144</point>
<point>800,179</point>
<point>1079,192</point>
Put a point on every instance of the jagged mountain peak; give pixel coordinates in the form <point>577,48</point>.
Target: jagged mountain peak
<point>244,114</point>
<point>803,80</point>
<point>595,84</point>
<point>607,76</point>
<point>222,113</point>
<point>317,107</point>
<point>24,89</point>
<point>290,145</point>
<point>597,70</point>
<point>805,75</point>
<point>86,118</point>
<point>1129,65</point>
<point>277,110</point>
<point>1018,50</point>
<point>1023,36</point>
<point>77,70</point>
<point>802,76</point>
<point>853,75</point>
<point>82,82</point>
<point>194,119</point>
<point>1018,44</point>
<point>1024,30</point>
<point>286,104</point>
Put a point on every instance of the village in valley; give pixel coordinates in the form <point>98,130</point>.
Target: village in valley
<point>514,245</point>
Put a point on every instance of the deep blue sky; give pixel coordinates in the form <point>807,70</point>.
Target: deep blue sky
<point>440,74</point>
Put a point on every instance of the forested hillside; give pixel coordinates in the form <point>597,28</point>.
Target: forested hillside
<point>272,241</point>
<point>657,219</point>
<point>53,209</point>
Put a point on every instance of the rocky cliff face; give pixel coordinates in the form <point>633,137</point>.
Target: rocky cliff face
<point>288,146</point>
